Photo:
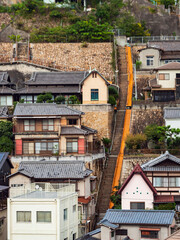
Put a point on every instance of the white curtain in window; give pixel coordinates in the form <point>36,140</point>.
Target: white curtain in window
<point>177,181</point>
<point>51,127</point>
<point>75,146</point>
<point>157,182</point>
<point>172,182</point>
<point>9,101</point>
<point>37,147</point>
<point>3,100</point>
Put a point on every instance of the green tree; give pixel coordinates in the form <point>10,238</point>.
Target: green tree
<point>167,3</point>
<point>44,98</point>
<point>73,100</point>
<point>6,136</point>
<point>59,99</point>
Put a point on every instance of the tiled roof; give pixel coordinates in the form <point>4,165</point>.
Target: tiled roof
<point>4,158</point>
<point>148,217</point>
<point>171,112</point>
<point>54,169</point>
<point>151,165</point>
<point>73,131</point>
<point>56,78</point>
<point>106,223</point>
<point>98,230</point>
<point>4,78</point>
<point>165,45</point>
<point>164,199</point>
<point>174,236</point>
<point>137,170</point>
<point>88,129</point>
<point>162,169</point>
<point>3,112</point>
<point>170,56</point>
<point>84,200</point>
<point>3,188</point>
<point>170,66</point>
<point>43,109</point>
<point>51,89</point>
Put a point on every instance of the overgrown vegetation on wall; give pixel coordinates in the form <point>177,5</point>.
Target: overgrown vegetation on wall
<point>6,136</point>
<point>71,23</point>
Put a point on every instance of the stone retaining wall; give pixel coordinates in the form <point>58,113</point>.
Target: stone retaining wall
<point>6,52</point>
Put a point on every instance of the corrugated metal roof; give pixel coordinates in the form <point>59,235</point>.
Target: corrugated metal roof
<point>98,230</point>
<point>43,109</point>
<point>108,224</point>
<point>148,217</point>
<point>50,78</point>
<point>171,112</point>
<point>151,165</point>
<point>54,169</point>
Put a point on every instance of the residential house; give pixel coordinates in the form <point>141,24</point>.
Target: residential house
<point>73,172</point>
<point>43,214</point>
<point>49,129</point>
<point>7,90</point>
<point>3,211</point>
<point>158,53</point>
<point>172,117</point>
<point>90,87</point>
<point>166,86</point>
<point>5,167</point>
<point>136,224</point>
<point>137,192</point>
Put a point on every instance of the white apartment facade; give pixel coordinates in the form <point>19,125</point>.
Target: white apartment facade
<point>43,214</point>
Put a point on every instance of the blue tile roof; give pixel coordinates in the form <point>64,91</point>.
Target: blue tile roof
<point>96,231</point>
<point>154,217</point>
<point>108,224</point>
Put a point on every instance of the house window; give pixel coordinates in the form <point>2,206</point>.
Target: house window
<point>150,60</point>
<point>149,234</point>
<point>137,205</point>
<point>27,99</point>
<point>48,125</point>
<point>29,125</point>
<point>160,181</point>
<point>6,101</point>
<point>43,216</point>
<point>74,236</point>
<point>94,94</point>
<point>164,76</point>
<point>16,185</point>
<point>74,208</point>
<point>65,213</point>
<point>163,96</point>
<point>28,147</point>
<point>94,74</point>
<point>45,145</point>
<point>23,216</point>
<point>122,232</point>
<point>72,145</point>
<point>72,121</point>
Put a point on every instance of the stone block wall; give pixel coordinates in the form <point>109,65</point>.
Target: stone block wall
<point>99,117</point>
<point>74,57</point>
<point>6,52</point>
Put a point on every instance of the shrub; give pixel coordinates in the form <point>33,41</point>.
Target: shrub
<point>136,141</point>
<point>55,14</point>
<point>112,100</point>
<point>138,65</point>
<point>165,206</point>
<point>44,97</point>
<point>59,99</point>
<point>106,142</point>
<point>113,92</point>
<point>73,100</point>
<point>15,38</point>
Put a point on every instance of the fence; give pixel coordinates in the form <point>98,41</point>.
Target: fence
<point>145,39</point>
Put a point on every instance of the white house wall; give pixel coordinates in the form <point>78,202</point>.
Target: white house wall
<point>171,83</point>
<point>174,123</point>
<point>149,52</point>
<point>137,190</point>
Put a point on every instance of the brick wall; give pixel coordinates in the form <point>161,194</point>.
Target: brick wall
<point>74,57</point>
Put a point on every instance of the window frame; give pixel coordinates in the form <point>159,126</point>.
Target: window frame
<point>150,236</point>
<point>71,119</point>
<point>31,123</point>
<point>94,94</point>
<point>24,212</point>
<point>132,208</point>
<point>149,60</point>
<point>65,214</point>
<point>164,76</point>
<point>69,149</point>
<point>168,182</point>
<point>44,217</point>
<point>48,127</point>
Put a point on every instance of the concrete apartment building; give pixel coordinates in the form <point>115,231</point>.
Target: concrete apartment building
<point>43,214</point>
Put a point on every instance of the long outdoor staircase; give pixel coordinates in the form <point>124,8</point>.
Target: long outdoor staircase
<point>108,174</point>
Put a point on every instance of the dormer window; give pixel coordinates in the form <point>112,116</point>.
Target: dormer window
<point>94,74</point>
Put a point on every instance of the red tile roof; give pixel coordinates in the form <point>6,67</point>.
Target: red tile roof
<point>163,198</point>
<point>138,170</point>
<point>170,66</point>
<point>84,200</point>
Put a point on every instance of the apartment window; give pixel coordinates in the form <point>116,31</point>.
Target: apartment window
<point>94,74</point>
<point>71,145</point>
<point>43,216</point>
<point>137,205</point>
<point>27,99</point>
<point>94,94</point>
<point>150,60</point>
<point>149,234</point>
<point>65,213</point>
<point>74,208</point>
<point>121,232</point>
<point>23,216</point>
<point>45,145</point>
<point>74,236</point>
<point>48,125</point>
<point>164,76</point>
<point>72,121</point>
<point>6,100</point>
<point>29,125</point>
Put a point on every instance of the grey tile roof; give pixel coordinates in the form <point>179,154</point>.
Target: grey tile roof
<point>57,78</point>
<point>170,66</point>
<point>150,165</point>
<point>165,45</point>
<point>5,90</point>
<point>162,169</point>
<point>171,112</point>
<point>3,188</point>
<point>98,230</point>
<point>4,158</point>
<point>88,129</point>
<point>4,78</point>
<point>44,109</point>
<point>54,169</point>
<point>73,130</point>
<point>108,224</point>
<point>148,217</point>
<point>3,112</point>
<point>51,89</point>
